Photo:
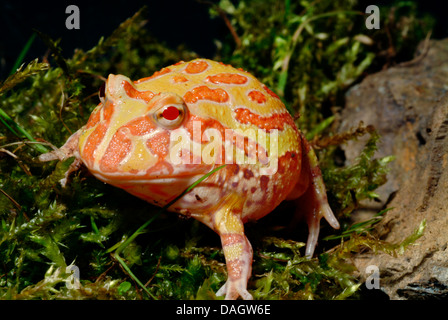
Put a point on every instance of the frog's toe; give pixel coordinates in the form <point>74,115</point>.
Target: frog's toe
<point>313,219</point>
<point>328,214</point>
<point>222,291</point>
<point>233,289</point>
<point>56,154</point>
<point>245,295</point>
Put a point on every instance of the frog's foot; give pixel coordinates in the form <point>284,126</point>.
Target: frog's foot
<point>315,206</point>
<point>69,149</point>
<point>233,289</point>
<point>312,198</point>
<point>76,164</point>
<point>236,247</point>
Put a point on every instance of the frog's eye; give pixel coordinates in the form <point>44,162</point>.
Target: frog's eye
<point>170,116</point>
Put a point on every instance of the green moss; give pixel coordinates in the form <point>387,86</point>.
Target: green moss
<point>309,52</point>
<point>358,181</point>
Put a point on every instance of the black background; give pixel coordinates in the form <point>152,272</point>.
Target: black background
<point>173,22</point>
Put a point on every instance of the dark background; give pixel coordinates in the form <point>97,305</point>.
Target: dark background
<point>173,22</point>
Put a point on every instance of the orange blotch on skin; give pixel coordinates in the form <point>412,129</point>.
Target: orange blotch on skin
<point>235,269</point>
<point>159,144</point>
<point>94,118</point>
<point>160,166</point>
<point>230,239</point>
<point>223,64</point>
<point>288,163</point>
<point>200,138</point>
<point>98,133</point>
<point>136,94</point>
<point>272,93</point>
<point>140,126</point>
<point>108,111</point>
<point>196,67</point>
<point>92,143</point>
<point>257,96</point>
<point>116,151</point>
<point>205,93</point>
<point>251,148</point>
<point>275,121</point>
<point>178,79</point>
<point>205,124</point>
<point>227,78</point>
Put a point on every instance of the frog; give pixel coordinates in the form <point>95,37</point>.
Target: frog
<point>156,136</point>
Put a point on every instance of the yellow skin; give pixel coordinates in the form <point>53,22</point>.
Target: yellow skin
<point>154,137</point>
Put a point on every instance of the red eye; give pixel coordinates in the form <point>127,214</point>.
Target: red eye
<point>170,113</point>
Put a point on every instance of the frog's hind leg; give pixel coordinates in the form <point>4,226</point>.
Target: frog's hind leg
<point>311,197</point>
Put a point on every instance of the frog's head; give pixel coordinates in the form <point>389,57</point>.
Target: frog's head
<point>136,136</point>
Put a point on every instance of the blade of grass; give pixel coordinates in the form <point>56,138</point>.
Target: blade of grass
<point>23,53</point>
<point>320,128</point>
<point>360,227</point>
<point>20,132</point>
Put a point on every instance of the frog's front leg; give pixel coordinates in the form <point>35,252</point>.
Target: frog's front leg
<point>237,249</point>
<point>69,149</point>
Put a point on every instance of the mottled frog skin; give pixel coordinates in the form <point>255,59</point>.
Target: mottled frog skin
<point>155,136</point>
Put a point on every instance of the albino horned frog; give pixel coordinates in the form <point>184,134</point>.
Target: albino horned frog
<point>155,136</point>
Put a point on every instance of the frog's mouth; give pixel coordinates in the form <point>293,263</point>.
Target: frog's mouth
<point>157,190</point>
<point>156,174</point>
<point>178,177</point>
